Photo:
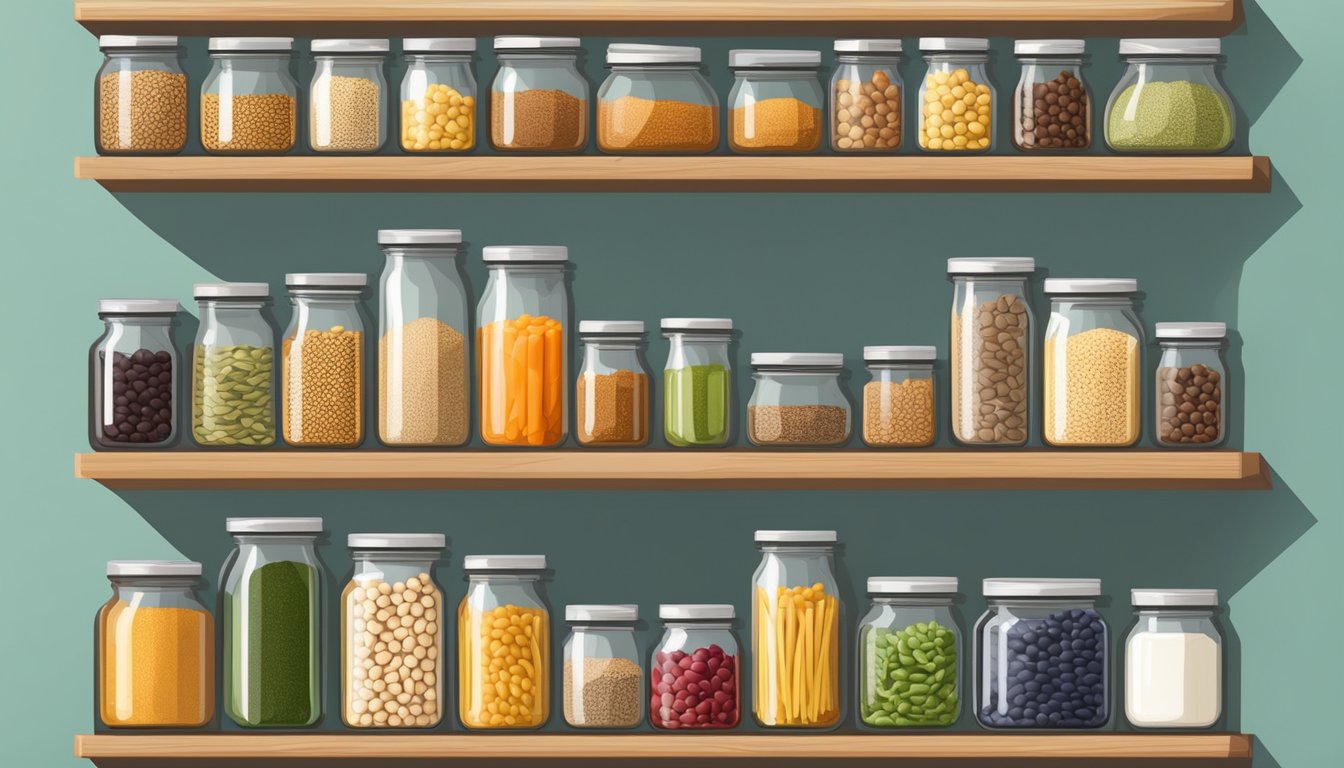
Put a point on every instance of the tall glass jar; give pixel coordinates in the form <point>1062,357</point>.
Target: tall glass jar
<point>156,648</point>
<point>795,631</point>
<point>1052,108</point>
<point>798,400</point>
<point>696,670</point>
<point>438,95</point>
<point>347,100</point>
<point>133,372</point>
<point>909,652</point>
<point>603,675</point>
<point>1174,660</point>
<point>656,101</point>
<point>956,99</point>
<point>1191,385</point>
<point>504,644</point>
<point>423,395</point>
<point>1170,99</point>
<point>539,100</point>
<point>249,99</point>
<point>697,381</point>
<point>323,360</point>
<point>899,400</point>
<point>991,347</point>
<point>776,101</point>
<point>272,595</point>
<point>392,659</point>
<point>612,393</point>
<point>233,370</point>
<point>866,93</point>
<point>140,102</point>
<point>1092,363</point>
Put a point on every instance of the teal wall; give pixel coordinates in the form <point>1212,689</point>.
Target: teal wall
<point>797,272</point>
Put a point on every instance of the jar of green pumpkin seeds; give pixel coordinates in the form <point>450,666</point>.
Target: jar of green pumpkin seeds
<point>908,655</point>
<point>1170,99</point>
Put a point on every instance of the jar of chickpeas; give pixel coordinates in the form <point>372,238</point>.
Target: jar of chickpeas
<point>866,96</point>
<point>504,644</point>
<point>956,99</point>
<point>438,95</point>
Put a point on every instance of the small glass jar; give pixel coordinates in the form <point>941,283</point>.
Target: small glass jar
<point>697,381</point>
<point>991,350</point>
<point>776,102</point>
<point>909,654</point>
<point>438,95</point>
<point>539,100</point>
<point>133,372</point>
<point>956,99</point>
<point>866,93</point>
<point>696,670</point>
<point>612,394</point>
<point>392,657</point>
<point>347,100</point>
<point>656,101</point>
<point>272,595</point>
<point>798,400</point>
<point>503,632</point>
<point>603,675</point>
<point>156,648</point>
<point>522,332</point>
<point>1174,660</point>
<point>1092,363</point>
<point>1191,385</point>
<point>140,103</point>
<point>249,99</point>
<point>233,368</point>
<point>1052,107</point>
<point>423,395</point>
<point>899,401</point>
<point>795,631</point>
<point>1170,99</point>
<point>323,360</point>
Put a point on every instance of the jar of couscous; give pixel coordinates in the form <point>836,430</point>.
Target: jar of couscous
<point>776,101</point>
<point>656,101</point>
<point>956,99</point>
<point>438,95</point>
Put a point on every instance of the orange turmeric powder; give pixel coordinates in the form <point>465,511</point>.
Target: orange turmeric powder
<point>522,381</point>
<point>156,666</point>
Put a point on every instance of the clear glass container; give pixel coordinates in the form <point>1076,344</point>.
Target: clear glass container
<point>795,631</point>
<point>797,400</point>
<point>603,675</point>
<point>656,101</point>
<point>392,659</point>
<point>156,648</point>
<point>347,99</point>
<point>956,99</point>
<point>1041,655</point>
<point>991,350</point>
<point>909,653</point>
<point>133,371</point>
<point>899,400</point>
<point>272,596</point>
<point>438,95</point>
<point>140,99</point>
<point>249,100</point>
<point>504,644</point>
<point>423,395</point>
<point>866,93</point>
<point>611,397</point>
<point>323,360</point>
<point>1174,660</point>
<point>697,381</point>
<point>233,367</point>
<point>1092,363</point>
<point>776,102</point>
<point>695,681</point>
<point>1052,106</point>
<point>1191,386</point>
<point>522,338</point>
<point>1170,99</point>
<point>539,100</point>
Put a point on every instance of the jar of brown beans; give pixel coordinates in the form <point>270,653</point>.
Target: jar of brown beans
<point>140,99</point>
<point>1191,388</point>
<point>1052,108</point>
<point>865,96</point>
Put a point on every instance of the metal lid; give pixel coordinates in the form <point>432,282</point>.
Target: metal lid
<point>798,359</point>
<point>757,58</point>
<point>795,537</point>
<point>273,525</point>
<point>231,290</point>
<point>350,45</point>
<point>326,279</point>
<point>184,568</point>
<point>1192,330</point>
<point>396,541</point>
<point>419,236</point>
<point>696,324</point>
<point>867,46</point>
<point>1171,46</point>
<point>252,44</point>
<point>601,613</point>
<point>438,45</point>
<point>137,41</point>
<point>638,53</point>
<point>1091,285</point>
<point>1160,598</point>
<point>516,42</point>
<point>525,253</point>
<point>1006,265</point>
<point>1049,47</point>
<point>626,327</point>
<point>1042,587</point>
<point>898,354</point>
<point>504,562</point>
<point>912,585</point>
<point>696,612</point>
<point>138,306</point>
<point>953,44</point>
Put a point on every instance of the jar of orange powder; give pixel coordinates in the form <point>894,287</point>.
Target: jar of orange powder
<point>776,101</point>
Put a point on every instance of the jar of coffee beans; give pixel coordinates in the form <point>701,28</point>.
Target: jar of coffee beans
<point>132,373</point>
<point>866,96</point>
<point>1191,385</point>
<point>1051,107</point>
<point>991,350</point>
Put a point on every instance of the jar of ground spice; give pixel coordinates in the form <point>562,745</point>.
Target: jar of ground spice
<point>603,675</point>
<point>133,375</point>
<point>697,381</point>
<point>866,92</point>
<point>776,101</point>
<point>249,99</point>
<point>233,368</point>
<point>956,99</point>
<point>438,95</point>
<point>991,350</point>
<point>899,399</point>
<point>347,100</point>
<point>503,644</point>
<point>656,101</point>
<point>696,673</point>
<point>539,101</point>
<point>1191,385</point>
<point>1170,99</point>
<point>798,400</point>
<point>322,359</point>
<point>140,104</point>
<point>1174,660</point>
<point>1052,108</point>
<point>612,393</point>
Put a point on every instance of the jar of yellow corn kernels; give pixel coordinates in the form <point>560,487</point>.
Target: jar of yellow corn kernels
<point>438,95</point>
<point>504,644</point>
<point>956,100</point>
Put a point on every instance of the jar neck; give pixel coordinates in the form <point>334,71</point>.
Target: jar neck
<point>957,57</point>
<point>519,579</point>
<point>892,60</point>
<point>1011,281</point>
<point>799,371</point>
<point>325,298</point>
<point>1172,59</point>
<point>558,56</point>
<point>142,321</point>
<point>178,585</point>
<point>286,539</point>
<point>691,626</point>
<point>147,54</point>
<point>1044,602</point>
<point>701,337</point>
<point>1190,343</point>
<point>439,58</point>
<point>367,60</point>
<point>816,550</point>
<point>894,365</point>
<point>623,344</point>
<point>423,558</point>
<point>655,67</point>
<point>1092,301</point>
<point>232,307</point>
<point>601,626</point>
<point>1175,612</point>
<point>920,600</point>
<point>251,60</point>
<point>526,269</point>
<point>398,252</point>
<point>1076,61</point>
<point>775,74</point>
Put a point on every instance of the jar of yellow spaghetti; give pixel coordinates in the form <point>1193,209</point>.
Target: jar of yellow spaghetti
<point>504,644</point>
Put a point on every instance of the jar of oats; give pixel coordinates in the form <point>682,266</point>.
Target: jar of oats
<point>249,99</point>
<point>322,358</point>
<point>347,100</point>
<point>141,103</point>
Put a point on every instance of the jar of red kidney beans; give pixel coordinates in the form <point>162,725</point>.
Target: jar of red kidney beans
<point>133,373</point>
<point>695,669</point>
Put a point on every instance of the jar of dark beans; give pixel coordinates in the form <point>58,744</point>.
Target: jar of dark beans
<point>1051,107</point>
<point>1191,385</point>
<point>1040,655</point>
<point>132,374</point>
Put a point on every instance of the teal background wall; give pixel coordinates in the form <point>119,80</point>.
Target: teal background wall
<point>797,272</point>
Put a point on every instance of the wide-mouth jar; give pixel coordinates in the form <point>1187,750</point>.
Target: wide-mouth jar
<point>602,680</point>
<point>899,400</point>
<point>140,104</point>
<point>1170,99</point>
<point>656,101</point>
<point>323,360</point>
<point>504,644</point>
<point>797,400</point>
<point>909,653</point>
<point>249,101</point>
<point>696,669</point>
<point>539,100</point>
<point>1174,659</point>
<point>776,101</point>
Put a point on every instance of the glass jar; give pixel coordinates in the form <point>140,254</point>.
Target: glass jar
<point>1041,655</point>
<point>1092,363</point>
<point>522,327</point>
<point>132,371</point>
<point>909,649</point>
<point>899,404</point>
<point>323,360</point>
<point>991,349</point>
<point>697,381</point>
<point>347,99</point>
<point>656,101</point>
<point>1052,107</point>
<point>603,679</point>
<point>798,400</point>
<point>956,98</point>
<point>233,367</point>
<point>156,648</point>
<point>795,631</point>
<point>423,394</point>
<point>1191,385</point>
<point>1174,660</point>
<point>696,670</point>
<point>272,587</point>
<point>539,101</point>
<point>392,655</point>
<point>612,394</point>
<point>503,631</point>
<point>1170,99</point>
<point>140,103</point>
<point>248,101</point>
<point>866,93</point>
<point>776,101</point>
<point>438,95</point>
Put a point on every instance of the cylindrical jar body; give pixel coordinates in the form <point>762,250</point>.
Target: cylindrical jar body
<point>899,400</point>
<point>991,349</point>
<point>657,109</point>
<point>697,385</point>
<point>1052,107</point>
<point>909,656</point>
<point>797,404</point>
<point>323,362</point>
<point>539,100</point>
<point>612,392</point>
<point>1092,366</point>
<point>1170,103</point>
<point>140,104</point>
<point>602,680</point>
<point>775,109</point>
<point>133,374</point>
<point>233,371</point>
<point>1191,387</point>
<point>503,632</point>
<point>956,101</point>
<point>1174,667</point>
<point>347,100</point>
<point>866,97</point>
<point>696,671</point>
<point>438,101</point>
<point>249,99</point>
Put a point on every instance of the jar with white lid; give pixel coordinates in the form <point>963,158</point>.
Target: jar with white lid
<point>603,675</point>
<point>697,381</point>
<point>1170,99</point>
<point>1174,660</point>
<point>1052,107</point>
<point>539,100</point>
<point>249,99</point>
<point>438,95</point>
<point>322,357</point>
<point>656,101</point>
<point>899,400</point>
<point>697,669</point>
<point>611,396</point>
<point>347,100</point>
<point>776,101</point>
<point>991,350</point>
<point>798,400</point>
<point>909,654</point>
<point>504,644</point>
<point>1191,385</point>
<point>956,99</point>
<point>140,104</point>
<point>233,370</point>
<point>133,375</point>
<point>866,93</point>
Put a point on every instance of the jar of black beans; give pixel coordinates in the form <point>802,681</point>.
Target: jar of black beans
<point>1041,655</point>
<point>133,372</point>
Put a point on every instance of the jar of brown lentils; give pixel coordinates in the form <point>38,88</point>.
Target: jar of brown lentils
<point>1052,108</point>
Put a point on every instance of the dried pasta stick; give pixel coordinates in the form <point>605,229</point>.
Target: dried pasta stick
<point>535,429</point>
<point>799,691</point>
<point>809,671</point>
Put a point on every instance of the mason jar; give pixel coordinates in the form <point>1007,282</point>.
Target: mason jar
<point>956,98</point>
<point>909,654</point>
<point>603,675</point>
<point>140,102</point>
<point>611,398</point>
<point>249,99</point>
<point>656,101</point>
<point>133,372</point>
<point>697,381</point>
<point>438,95</point>
<point>1170,99</point>
<point>233,369</point>
<point>504,644</point>
<point>539,100</point>
<point>797,400</point>
<point>696,670</point>
<point>899,400</point>
<point>1174,660</point>
<point>323,360</point>
<point>866,93</point>
<point>1052,107</point>
<point>776,101</point>
<point>1191,385</point>
<point>347,100</point>
<point>991,350</point>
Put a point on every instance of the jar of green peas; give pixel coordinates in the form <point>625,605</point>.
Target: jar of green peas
<point>909,654</point>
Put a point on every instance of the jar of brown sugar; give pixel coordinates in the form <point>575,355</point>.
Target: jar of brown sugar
<point>613,387</point>
<point>539,100</point>
<point>656,101</point>
<point>1052,108</point>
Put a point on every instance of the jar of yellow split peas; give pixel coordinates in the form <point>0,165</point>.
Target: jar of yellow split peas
<point>956,100</point>
<point>438,95</point>
<point>522,328</point>
<point>795,631</point>
<point>504,644</point>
